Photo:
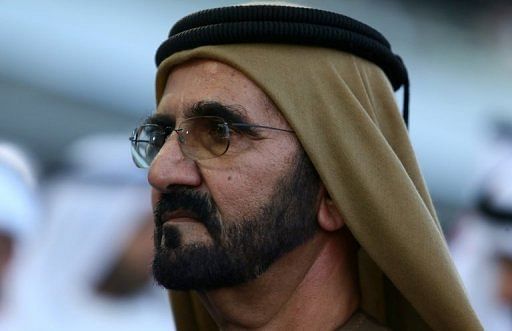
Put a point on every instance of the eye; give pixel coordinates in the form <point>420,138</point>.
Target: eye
<point>153,135</point>
<point>217,130</point>
<point>158,139</point>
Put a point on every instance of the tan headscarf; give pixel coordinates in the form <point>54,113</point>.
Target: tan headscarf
<point>343,111</point>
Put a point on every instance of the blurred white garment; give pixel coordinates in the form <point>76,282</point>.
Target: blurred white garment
<point>19,216</point>
<point>474,249</point>
<point>481,238</point>
<point>18,201</point>
<point>94,209</point>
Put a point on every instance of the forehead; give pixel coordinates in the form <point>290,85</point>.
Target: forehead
<point>208,80</point>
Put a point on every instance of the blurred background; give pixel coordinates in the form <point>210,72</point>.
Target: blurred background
<point>70,70</point>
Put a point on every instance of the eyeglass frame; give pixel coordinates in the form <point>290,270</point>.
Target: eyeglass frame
<point>168,130</point>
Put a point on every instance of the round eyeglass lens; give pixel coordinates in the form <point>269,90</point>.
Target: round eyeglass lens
<point>149,139</point>
<point>204,137</point>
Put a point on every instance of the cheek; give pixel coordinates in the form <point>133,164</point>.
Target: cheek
<point>240,185</point>
<point>241,191</point>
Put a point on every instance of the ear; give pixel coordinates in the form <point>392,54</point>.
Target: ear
<point>329,217</point>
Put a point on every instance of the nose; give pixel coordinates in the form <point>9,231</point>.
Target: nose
<point>170,167</point>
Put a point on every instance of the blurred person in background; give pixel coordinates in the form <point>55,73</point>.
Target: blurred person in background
<point>91,269</point>
<point>19,211</point>
<point>481,244</point>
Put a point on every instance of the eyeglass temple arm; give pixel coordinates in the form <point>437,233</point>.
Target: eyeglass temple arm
<point>258,126</point>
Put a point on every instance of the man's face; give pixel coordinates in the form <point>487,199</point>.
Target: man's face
<point>224,221</point>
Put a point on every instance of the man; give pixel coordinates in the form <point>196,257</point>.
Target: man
<point>285,190</point>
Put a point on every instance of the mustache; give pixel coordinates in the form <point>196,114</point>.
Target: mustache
<point>186,199</point>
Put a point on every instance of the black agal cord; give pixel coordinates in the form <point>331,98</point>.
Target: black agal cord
<point>287,25</point>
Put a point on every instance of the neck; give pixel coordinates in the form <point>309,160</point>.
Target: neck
<point>313,287</point>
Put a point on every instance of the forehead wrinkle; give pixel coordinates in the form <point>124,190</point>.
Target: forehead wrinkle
<point>163,105</point>
<point>208,70</point>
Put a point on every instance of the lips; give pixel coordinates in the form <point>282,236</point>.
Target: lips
<point>178,216</point>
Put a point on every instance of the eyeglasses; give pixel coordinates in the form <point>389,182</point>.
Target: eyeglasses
<point>200,138</point>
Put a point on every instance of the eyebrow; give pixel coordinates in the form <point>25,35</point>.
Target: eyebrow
<point>230,113</point>
<point>162,120</point>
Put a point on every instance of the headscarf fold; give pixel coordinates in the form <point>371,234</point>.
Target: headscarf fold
<point>343,111</point>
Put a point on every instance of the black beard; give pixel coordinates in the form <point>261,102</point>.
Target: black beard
<point>243,249</point>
